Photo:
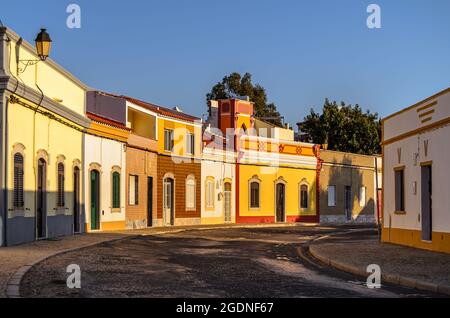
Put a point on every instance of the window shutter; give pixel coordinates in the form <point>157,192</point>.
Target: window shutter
<point>61,194</point>
<point>136,190</point>
<point>18,195</point>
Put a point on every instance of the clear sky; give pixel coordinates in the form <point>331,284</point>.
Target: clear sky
<point>172,52</point>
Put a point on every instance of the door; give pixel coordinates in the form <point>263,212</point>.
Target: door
<point>41,200</point>
<point>76,200</point>
<point>348,203</point>
<point>169,217</point>
<point>227,202</point>
<point>427,215</point>
<point>95,200</point>
<point>150,201</point>
<point>280,202</point>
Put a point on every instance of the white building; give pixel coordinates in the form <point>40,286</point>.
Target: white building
<point>104,174</point>
<point>218,185</point>
<point>416,156</point>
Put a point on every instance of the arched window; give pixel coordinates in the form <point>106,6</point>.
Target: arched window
<point>254,195</point>
<point>190,193</point>
<point>116,190</point>
<point>304,196</point>
<point>209,193</point>
<point>61,191</point>
<point>18,199</point>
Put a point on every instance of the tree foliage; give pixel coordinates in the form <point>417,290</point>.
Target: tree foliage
<point>344,128</point>
<point>236,85</point>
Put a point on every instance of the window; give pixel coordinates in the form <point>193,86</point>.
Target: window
<point>332,195</point>
<point>400,190</point>
<point>190,193</point>
<point>362,196</point>
<point>254,195</point>
<point>133,190</point>
<point>61,190</point>
<point>168,140</point>
<point>304,196</point>
<point>190,143</point>
<point>18,199</point>
<point>116,190</point>
<point>209,193</point>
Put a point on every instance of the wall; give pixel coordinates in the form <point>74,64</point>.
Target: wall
<point>143,164</point>
<point>219,166</point>
<point>54,139</point>
<point>415,136</point>
<point>345,169</point>
<point>105,154</point>
<point>179,171</point>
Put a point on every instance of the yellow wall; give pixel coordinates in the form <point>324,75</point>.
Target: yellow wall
<point>413,238</point>
<point>53,137</point>
<point>54,84</point>
<point>269,176</point>
<point>180,130</point>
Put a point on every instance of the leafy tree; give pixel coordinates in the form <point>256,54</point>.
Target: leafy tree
<point>236,85</point>
<point>344,128</point>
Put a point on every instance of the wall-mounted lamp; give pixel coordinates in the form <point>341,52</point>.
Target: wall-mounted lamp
<point>43,46</point>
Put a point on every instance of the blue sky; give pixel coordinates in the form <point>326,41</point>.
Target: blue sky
<point>172,52</point>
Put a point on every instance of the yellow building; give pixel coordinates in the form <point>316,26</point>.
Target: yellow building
<point>275,179</point>
<point>42,120</point>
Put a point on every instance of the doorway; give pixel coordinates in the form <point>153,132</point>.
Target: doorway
<point>169,215</point>
<point>348,203</point>
<point>41,210</point>
<point>280,202</point>
<point>95,200</point>
<point>427,200</point>
<point>76,200</point>
<point>227,202</point>
<point>150,201</point>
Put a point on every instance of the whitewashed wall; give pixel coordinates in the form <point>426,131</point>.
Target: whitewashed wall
<point>107,153</point>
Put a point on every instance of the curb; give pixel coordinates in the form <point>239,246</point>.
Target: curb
<point>388,278</point>
<point>12,289</point>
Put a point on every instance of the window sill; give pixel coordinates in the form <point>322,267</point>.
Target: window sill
<point>400,213</point>
<point>254,209</point>
<point>60,210</point>
<point>116,210</point>
<point>192,209</point>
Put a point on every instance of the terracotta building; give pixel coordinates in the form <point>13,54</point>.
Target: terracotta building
<point>177,139</point>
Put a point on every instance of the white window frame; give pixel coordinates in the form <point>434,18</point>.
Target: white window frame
<point>334,197</point>
<point>210,190</point>
<point>169,140</point>
<point>363,196</point>
<point>190,185</point>
<point>190,143</point>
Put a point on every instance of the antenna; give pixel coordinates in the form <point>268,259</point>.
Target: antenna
<point>1,23</point>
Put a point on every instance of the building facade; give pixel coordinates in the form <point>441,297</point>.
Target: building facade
<point>275,180</point>
<point>416,174</point>
<point>349,187</point>
<point>42,122</point>
<point>104,174</point>
<point>177,182</point>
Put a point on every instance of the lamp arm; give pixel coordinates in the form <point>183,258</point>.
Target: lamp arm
<point>25,63</point>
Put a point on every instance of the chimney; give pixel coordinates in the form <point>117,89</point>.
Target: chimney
<point>213,112</point>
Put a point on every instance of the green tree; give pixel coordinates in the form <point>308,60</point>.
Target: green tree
<point>344,128</point>
<point>236,85</point>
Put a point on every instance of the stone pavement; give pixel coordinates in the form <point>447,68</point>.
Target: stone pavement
<point>400,265</point>
<point>16,260</point>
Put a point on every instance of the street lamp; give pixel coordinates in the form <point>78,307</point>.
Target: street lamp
<point>43,46</point>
